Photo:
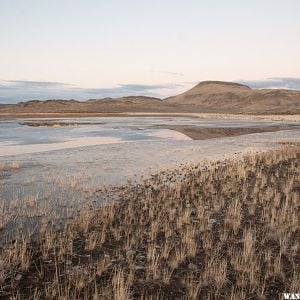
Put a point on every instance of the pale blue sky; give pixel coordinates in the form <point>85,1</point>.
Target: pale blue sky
<point>93,48</point>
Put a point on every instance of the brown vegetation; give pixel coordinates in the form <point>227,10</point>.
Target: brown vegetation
<point>225,231</point>
<point>12,165</point>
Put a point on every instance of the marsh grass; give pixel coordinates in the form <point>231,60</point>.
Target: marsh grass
<point>225,231</point>
<point>11,165</point>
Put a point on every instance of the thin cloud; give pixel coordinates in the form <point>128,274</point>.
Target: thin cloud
<point>35,83</point>
<point>192,82</point>
<point>274,83</point>
<point>13,91</point>
<point>168,72</point>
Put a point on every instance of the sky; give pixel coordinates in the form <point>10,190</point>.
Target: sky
<point>75,49</point>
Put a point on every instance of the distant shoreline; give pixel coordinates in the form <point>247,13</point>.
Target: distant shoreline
<point>274,117</point>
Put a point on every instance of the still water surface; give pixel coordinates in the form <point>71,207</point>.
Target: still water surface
<point>18,138</point>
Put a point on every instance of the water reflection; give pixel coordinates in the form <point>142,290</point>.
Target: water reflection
<point>20,137</point>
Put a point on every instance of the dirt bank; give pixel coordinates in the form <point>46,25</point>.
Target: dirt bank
<point>200,133</point>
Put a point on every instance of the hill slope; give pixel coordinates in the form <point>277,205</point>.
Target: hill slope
<point>218,96</point>
<point>207,96</point>
<point>124,104</point>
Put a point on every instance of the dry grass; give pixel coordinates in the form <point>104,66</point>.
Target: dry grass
<point>276,117</point>
<point>11,165</point>
<point>225,231</point>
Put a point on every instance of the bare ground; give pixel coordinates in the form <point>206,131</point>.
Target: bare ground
<point>200,133</point>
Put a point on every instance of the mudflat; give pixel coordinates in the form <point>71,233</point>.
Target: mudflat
<point>198,133</point>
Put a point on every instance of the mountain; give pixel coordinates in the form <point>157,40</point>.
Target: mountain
<point>219,96</point>
<point>207,96</point>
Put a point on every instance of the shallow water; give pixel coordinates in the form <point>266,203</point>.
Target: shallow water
<point>17,138</point>
<point>63,168</point>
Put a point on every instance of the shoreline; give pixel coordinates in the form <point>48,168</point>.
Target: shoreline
<point>201,133</point>
<point>273,117</point>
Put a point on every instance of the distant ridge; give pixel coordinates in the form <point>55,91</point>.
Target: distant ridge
<point>206,96</point>
<point>222,83</point>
